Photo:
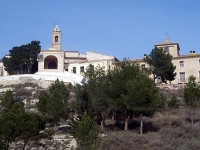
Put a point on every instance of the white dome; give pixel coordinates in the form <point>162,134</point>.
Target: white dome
<point>56,28</point>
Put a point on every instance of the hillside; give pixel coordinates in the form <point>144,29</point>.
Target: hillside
<point>167,129</point>
<point>27,89</point>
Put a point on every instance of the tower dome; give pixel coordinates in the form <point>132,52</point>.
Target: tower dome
<point>56,28</point>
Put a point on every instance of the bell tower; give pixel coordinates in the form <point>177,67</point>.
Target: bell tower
<point>56,38</point>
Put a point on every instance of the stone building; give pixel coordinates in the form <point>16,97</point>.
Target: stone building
<point>57,60</point>
<point>1,68</point>
<point>3,72</point>
<point>186,65</point>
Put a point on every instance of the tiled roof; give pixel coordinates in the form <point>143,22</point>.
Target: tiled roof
<point>167,42</point>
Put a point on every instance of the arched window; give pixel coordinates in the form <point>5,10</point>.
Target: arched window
<point>56,39</point>
<point>52,65</point>
<point>50,62</point>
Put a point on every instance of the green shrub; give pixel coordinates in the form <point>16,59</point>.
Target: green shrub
<point>86,132</point>
<point>173,102</point>
<point>70,86</point>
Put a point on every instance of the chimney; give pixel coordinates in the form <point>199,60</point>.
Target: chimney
<point>192,52</point>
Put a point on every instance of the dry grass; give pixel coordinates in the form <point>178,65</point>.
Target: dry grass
<point>123,140</point>
<point>175,133</point>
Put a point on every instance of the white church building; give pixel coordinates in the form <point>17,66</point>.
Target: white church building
<point>55,63</point>
<point>57,60</point>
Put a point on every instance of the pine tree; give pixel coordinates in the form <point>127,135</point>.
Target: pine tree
<point>161,65</point>
<point>54,101</point>
<point>22,59</point>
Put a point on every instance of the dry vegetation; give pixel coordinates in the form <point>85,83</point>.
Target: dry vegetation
<point>175,132</point>
<point>170,129</point>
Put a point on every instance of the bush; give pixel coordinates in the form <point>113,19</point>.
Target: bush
<point>86,132</point>
<point>192,92</point>
<point>70,86</point>
<point>173,102</point>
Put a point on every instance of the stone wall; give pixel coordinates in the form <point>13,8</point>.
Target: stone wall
<point>23,80</point>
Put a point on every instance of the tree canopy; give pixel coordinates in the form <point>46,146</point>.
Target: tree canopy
<point>54,102</point>
<point>161,65</point>
<point>125,90</point>
<point>133,91</point>
<point>86,132</point>
<point>192,92</point>
<point>16,124</point>
<point>22,59</point>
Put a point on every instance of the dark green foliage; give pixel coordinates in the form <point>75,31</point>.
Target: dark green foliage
<point>161,101</point>
<point>43,103</point>
<point>86,132</point>
<point>22,59</point>
<point>11,104</point>
<point>173,102</point>
<point>141,95</point>
<point>192,92</point>
<point>16,124</point>
<point>161,65</point>
<point>30,125</point>
<point>70,86</point>
<point>134,90</point>
<point>8,128</point>
<point>124,91</point>
<point>20,126</point>
<point>54,101</point>
<point>97,86</point>
<point>82,100</point>
<point>92,97</point>
<point>121,77</point>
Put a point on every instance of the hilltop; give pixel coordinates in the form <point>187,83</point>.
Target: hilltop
<point>167,129</point>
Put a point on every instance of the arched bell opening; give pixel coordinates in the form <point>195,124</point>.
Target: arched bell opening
<point>50,62</point>
<point>56,39</point>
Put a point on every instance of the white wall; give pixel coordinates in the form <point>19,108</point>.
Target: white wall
<point>191,67</point>
<point>60,58</point>
<point>104,64</point>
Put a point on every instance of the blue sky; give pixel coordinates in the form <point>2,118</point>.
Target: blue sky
<point>122,28</point>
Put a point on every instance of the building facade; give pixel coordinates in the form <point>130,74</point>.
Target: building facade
<point>3,72</point>
<point>57,60</point>
<point>186,65</point>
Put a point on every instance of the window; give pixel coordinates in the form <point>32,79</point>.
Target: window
<point>181,63</point>
<point>182,76</point>
<point>166,49</point>
<point>81,69</point>
<point>66,66</point>
<point>56,39</point>
<point>74,70</point>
